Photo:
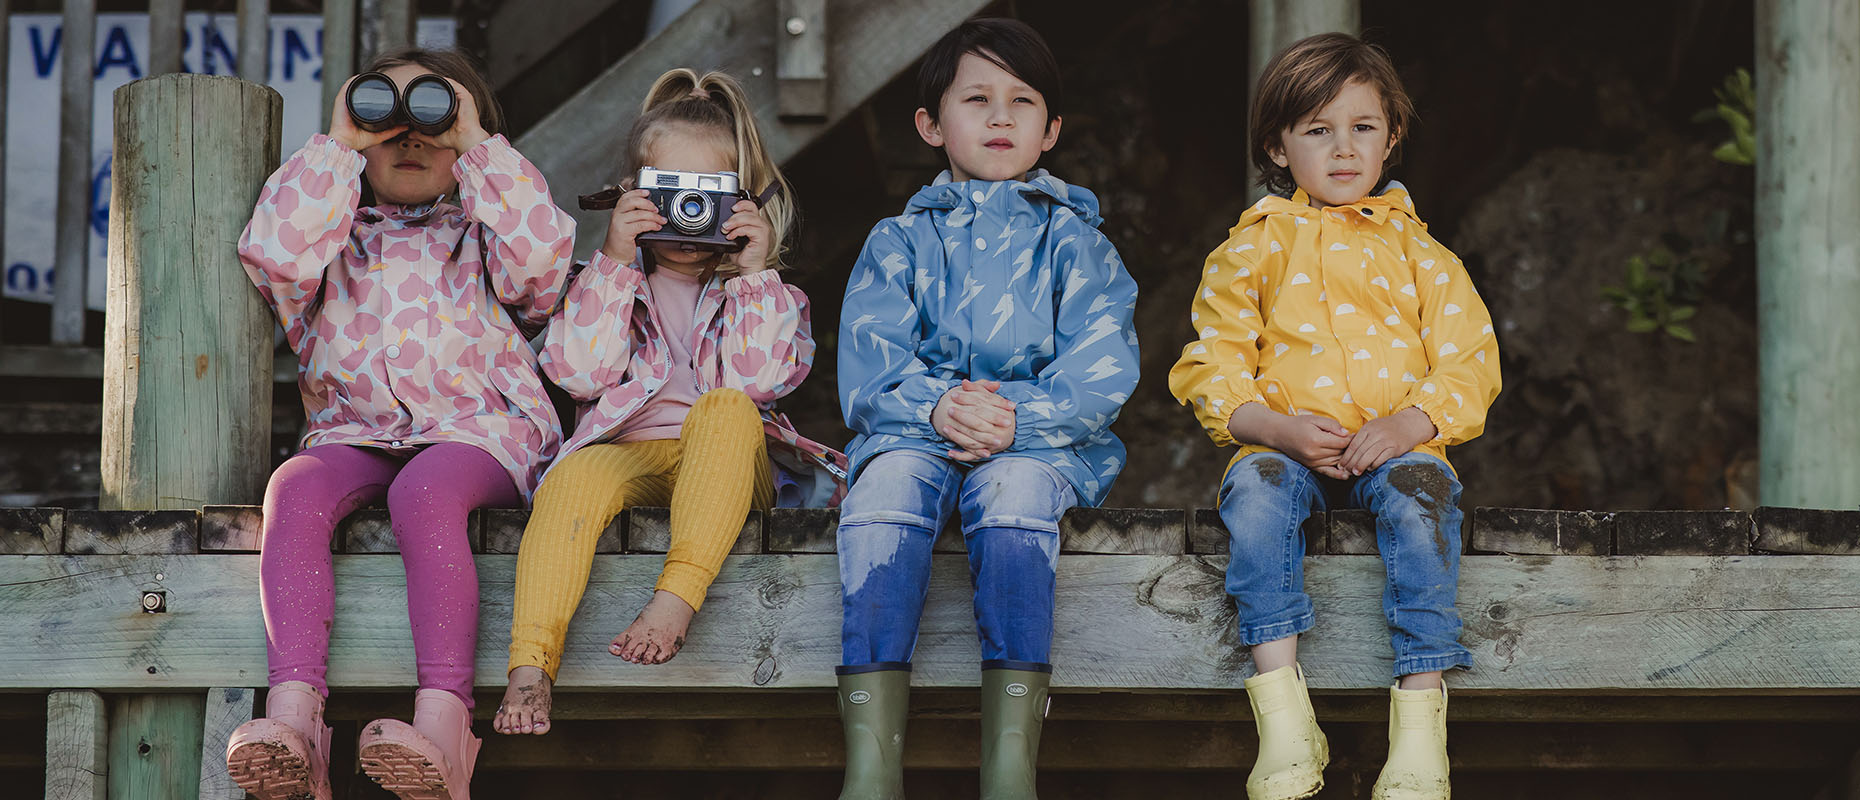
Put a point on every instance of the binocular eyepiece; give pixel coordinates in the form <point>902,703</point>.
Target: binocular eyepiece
<point>428,104</point>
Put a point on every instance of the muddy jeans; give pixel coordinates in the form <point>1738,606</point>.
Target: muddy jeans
<point>1010,511</point>
<point>1264,502</point>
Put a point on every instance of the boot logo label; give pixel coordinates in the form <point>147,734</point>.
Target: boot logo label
<point>860,697</point>
<point>1017,690</point>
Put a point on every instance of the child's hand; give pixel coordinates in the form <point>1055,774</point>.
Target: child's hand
<point>748,221</point>
<point>633,215</point>
<point>1314,441</point>
<point>976,419</point>
<point>1384,438</point>
<point>342,127</point>
<point>465,132</point>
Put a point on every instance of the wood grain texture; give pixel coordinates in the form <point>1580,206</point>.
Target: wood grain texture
<point>226,710</point>
<point>187,345</point>
<point>76,746</point>
<point>155,742</point>
<point>1535,624</point>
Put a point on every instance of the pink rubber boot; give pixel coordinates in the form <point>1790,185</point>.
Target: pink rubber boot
<point>431,759</point>
<point>285,754</point>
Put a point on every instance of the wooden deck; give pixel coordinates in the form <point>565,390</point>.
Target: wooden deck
<point>1597,647</point>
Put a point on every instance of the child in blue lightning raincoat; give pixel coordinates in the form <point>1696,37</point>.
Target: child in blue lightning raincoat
<point>985,348</point>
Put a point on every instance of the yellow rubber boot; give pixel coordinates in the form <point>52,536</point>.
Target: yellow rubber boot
<point>1417,765</point>
<point>1292,751</point>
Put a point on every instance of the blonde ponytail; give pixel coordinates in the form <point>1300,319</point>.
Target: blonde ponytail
<point>715,101</point>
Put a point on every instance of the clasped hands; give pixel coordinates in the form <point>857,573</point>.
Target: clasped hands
<point>1325,446</point>
<point>975,418</point>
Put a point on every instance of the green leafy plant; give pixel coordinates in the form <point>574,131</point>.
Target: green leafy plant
<point>1737,107</point>
<point>1661,292</point>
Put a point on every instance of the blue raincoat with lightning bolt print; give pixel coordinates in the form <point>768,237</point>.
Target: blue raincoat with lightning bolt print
<point>1007,281</point>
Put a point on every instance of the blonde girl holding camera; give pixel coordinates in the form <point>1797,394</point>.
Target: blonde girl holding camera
<point>675,353</point>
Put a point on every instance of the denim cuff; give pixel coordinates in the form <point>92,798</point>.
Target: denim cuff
<point>1251,635</point>
<point>1023,666</point>
<point>1410,665</point>
<point>877,666</point>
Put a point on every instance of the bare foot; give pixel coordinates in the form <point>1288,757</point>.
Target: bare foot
<point>526,703</point>
<point>658,633</point>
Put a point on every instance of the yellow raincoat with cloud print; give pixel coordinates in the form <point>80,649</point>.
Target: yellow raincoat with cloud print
<point>1349,312</point>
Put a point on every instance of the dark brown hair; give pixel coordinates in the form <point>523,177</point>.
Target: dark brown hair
<point>1011,44</point>
<point>450,64</point>
<point>1307,76</point>
<point>682,102</point>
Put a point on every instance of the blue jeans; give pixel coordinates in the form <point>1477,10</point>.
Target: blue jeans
<point>1264,501</point>
<point>1010,510</point>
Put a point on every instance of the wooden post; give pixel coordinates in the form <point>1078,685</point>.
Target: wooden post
<point>155,746</point>
<point>338,51</point>
<point>1275,25</point>
<point>166,19</point>
<point>254,51</point>
<point>801,59</point>
<point>75,731</point>
<point>387,25</point>
<point>71,260</point>
<point>227,709</point>
<point>1808,246</point>
<point>187,348</point>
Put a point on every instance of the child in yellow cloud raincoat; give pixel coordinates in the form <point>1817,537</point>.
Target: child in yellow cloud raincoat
<point>1342,349</point>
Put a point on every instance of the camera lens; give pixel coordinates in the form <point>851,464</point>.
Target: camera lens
<point>431,104</point>
<point>371,101</point>
<point>692,212</point>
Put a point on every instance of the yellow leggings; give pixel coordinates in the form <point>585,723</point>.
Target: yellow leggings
<point>712,474</point>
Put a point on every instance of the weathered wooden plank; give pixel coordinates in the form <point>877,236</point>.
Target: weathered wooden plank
<point>187,356</point>
<point>801,59</point>
<point>338,51</point>
<point>1683,533</point>
<point>155,745</point>
<point>71,270</point>
<point>254,53</point>
<point>1808,530</point>
<point>802,530</point>
<point>32,531</point>
<point>76,736</point>
<point>231,529</point>
<point>1541,624</point>
<point>649,530</point>
<point>39,361</point>
<point>1524,531</point>
<point>1352,533</point>
<point>226,710</point>
<point>1124,531</point>
<point>386,25</point>
<point>90,531</point>
<point>1071,745</point>
<point>166,19</point>
<point>367,530</point>
<point>872,43</point>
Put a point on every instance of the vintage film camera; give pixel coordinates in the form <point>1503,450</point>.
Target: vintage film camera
<point>428,104</point>
<point>694,205</point>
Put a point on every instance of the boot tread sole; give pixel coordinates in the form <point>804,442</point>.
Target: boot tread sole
<point>269,771</point>
<point>404,771</point>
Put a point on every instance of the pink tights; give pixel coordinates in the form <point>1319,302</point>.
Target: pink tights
<point>429,497</point>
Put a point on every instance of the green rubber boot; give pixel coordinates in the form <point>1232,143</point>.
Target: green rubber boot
<point>873,707</point>
<point>1013,709</point>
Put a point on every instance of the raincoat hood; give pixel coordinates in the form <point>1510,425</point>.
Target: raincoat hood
<point>945,193</point>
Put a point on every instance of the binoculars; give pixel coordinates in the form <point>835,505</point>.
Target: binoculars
<point>428,104</point>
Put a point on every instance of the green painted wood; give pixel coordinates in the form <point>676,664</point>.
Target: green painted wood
<point>870,43</point>
<point>1808,198</point>
<point>1546,624</point>
<point>187,356</point>
<point>155,746</point>
<point>76,730</point>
